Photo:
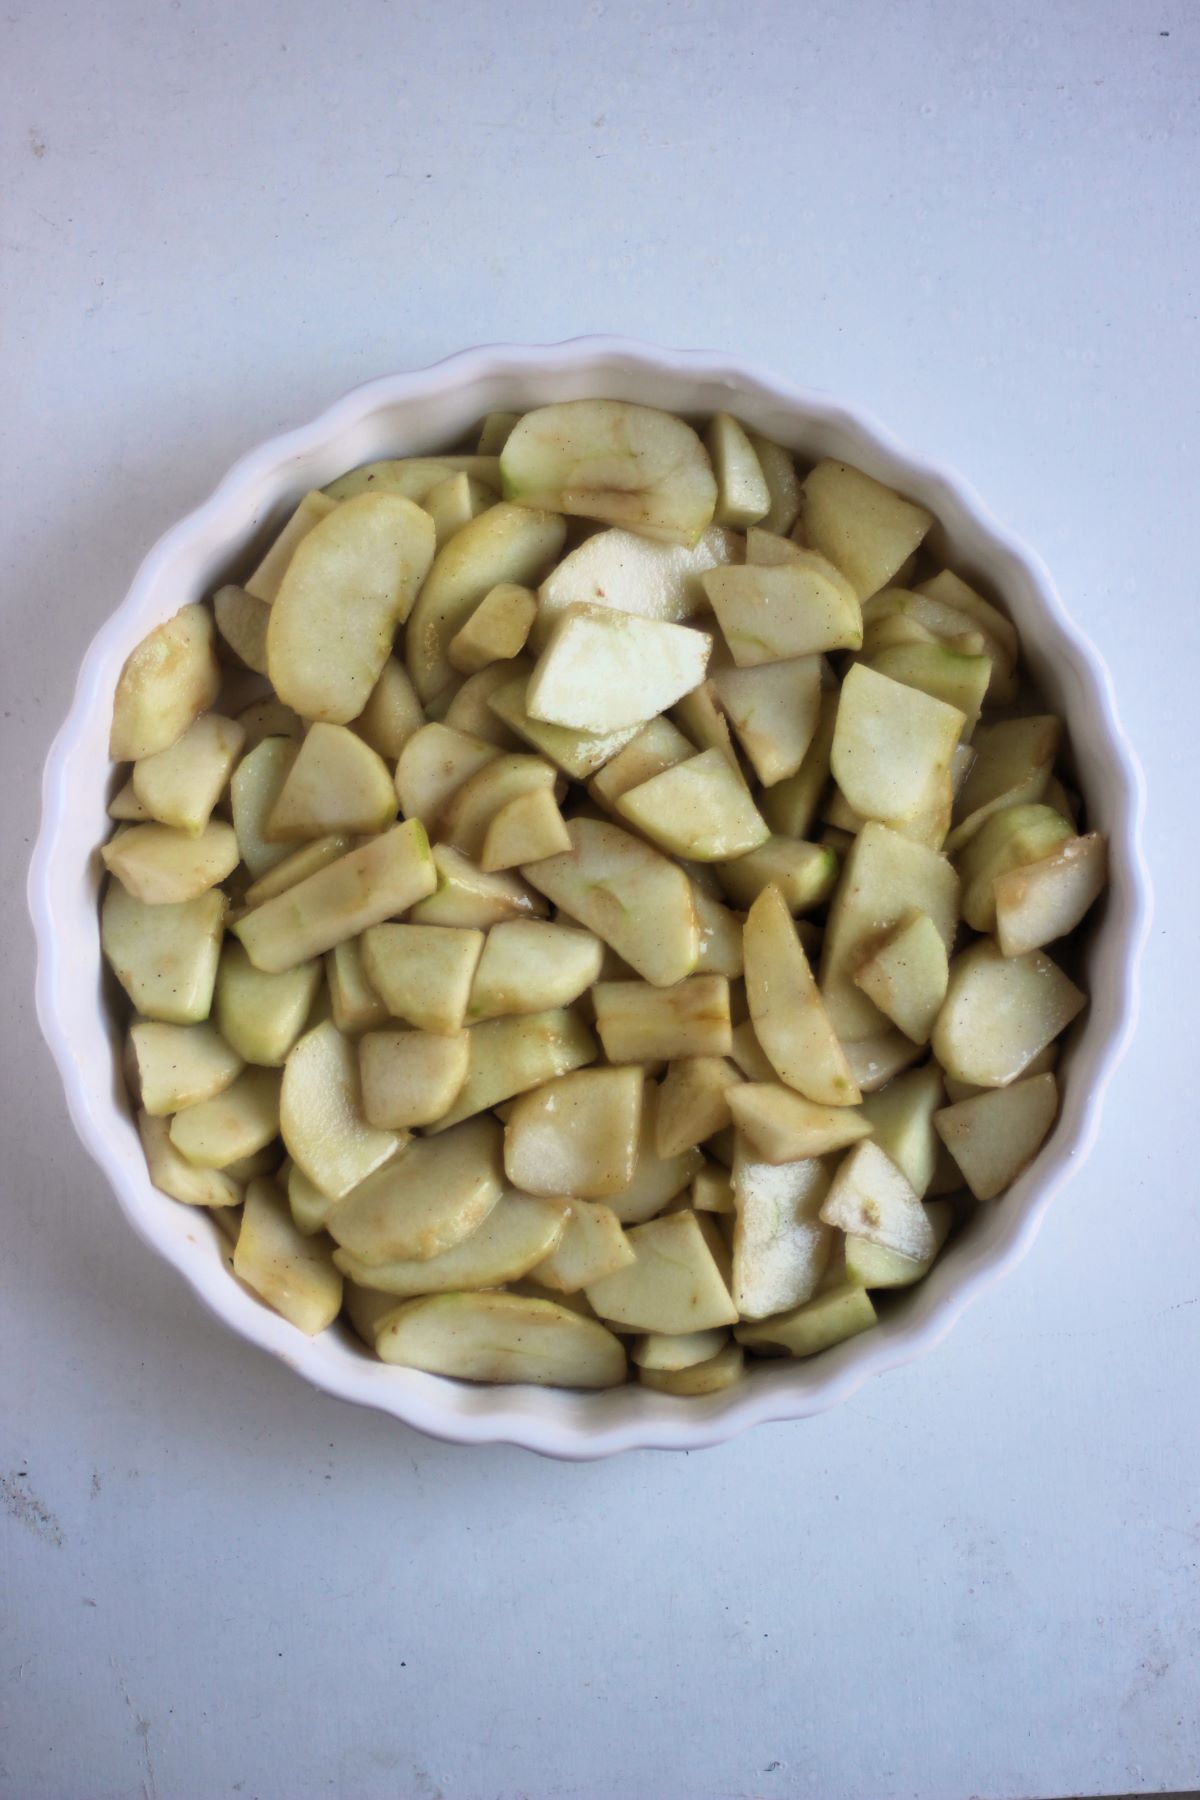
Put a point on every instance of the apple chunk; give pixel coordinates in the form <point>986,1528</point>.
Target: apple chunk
<point>610,460</point>
<point>782,1126</point>
<point>293,1273</point>
<point>320,1112</point>
<point>602,670</point>
<point>865,528</point>
<point>994,1135</point>
<point>337,783</point>
<point>632,574</point>
<point>501,1337</point>
<point>410,1077</point>
<point>768,613</point>
<point>576,1135</point>
<point>790,1020</point>
<point>780,1244</point>
<point>871,1198</point>
<point>907,976</point>
<point>516,1236</point>
<point>828,1319</point>
<point>699,809</point>
<point>166,683</point>
<point>429,1198</point>
<point>639,1023</point>
<point>673,1285</point>
<point>530,966</point>
<point>1046,899</point>
<point>890,745</point>
<point>1000,1012</point>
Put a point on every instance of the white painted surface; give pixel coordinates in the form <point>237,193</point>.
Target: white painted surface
<point>981,1577</point>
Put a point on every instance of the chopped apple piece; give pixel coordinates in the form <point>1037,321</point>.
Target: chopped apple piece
<point>172,1174</point>
<point>712,1190</point>
<point>720,936</point>
<point>668,1353</point>
<point>1007,841</point>
<point>180,1065</point>
<point>603,670</point>
<point>293,1273</point>
<point>774,710</point>
<point>999,632</point>
<point>577,753</point>
<point>321,1116</point>
<point>256,785</point>
<point>748,1054</point>
<point>673,1285</point>
<point>1000,1011</point>
<point>805,874</point>
<point>336,784</point>
<point>309,1206</point>
<point>907,976</point>
<point>871,1265</point>
<point>656,1179</point>
<point>167,682</point>
<point>613,461</point>
<point>742,493</point>
<point>375,882</point>
<point>592,1246</point>
<point>657,746</point>
<point>782,1126</point>
<point>410,1077</point>
<point>995,1135</point>
<point>239,1120</point>
<point>576,1135</point>
<point>529,966</point>
<point>412,476</point>
<point>525,830</point>
<point>496,630</point>
<point>628,894</point>
<point>353,1001</point>
<point>165,957</point>
<point>434,764</point>
<point>1044,900</point>
<point>1014,759</point>
<point>262,1015</point>
<point>693,1102</point>
<point>468,709</point>
<point>501,1337</point>
<point>351,580</point>
<point>263,585</point>
<point>393,713</point>
<point>639,1023</point>
<point>181,785</point>
<point>162,866</point>
<point>242,621</point>
<point>295,868</point>
<point>427,1200</point>
<point>874,1061</point>
<point>771,613</point>
<point>631,574</point>
<point>699,809</point>
<point>790,1020</point>
<point>952,675</point>
<point>454,501</point>
<point>423,973</point>
<point>268,718</point>
<point>495,432</point>
<point>471,899</point>
<point>783,484</point>
<point>721,1371</point>
<point>902,1117</point>
<point>472,808</point>
<point>790,806</point>
<point>127,808</point>
<point>517,1235</point>
<point>699,714</point>
<point>871,1198</point>
<point>780,1245</point>
<point>891,743</point>
<point>509,1056</point>
<point>832,1317</point>
<point>865,528</point>
<point>505,543</point>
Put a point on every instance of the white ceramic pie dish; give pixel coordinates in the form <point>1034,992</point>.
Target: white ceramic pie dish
<point>429,409</point>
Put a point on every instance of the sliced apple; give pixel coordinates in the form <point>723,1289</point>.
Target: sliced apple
<point>432,1196</point>
<point>871,1198</point>
<point>473,806</point>
<point>293,1273</point>
<point>866,529</point>
<point>1010,839</point>
<point>640,1023</point>
<point>952,675</point>
<point>657,1180</point>
<point>782,1126</point>
<point>517,1236</point>
<point>791,806</point>
<point>576,1135</point>
<point>780,1245</point>
<point>268,718</point>
<point>1046,899</point>
<point>720,936</point>
<point>509,1056</point>
<point>1014,759</point>
<point>529,966</point>
<point>263,584</point>
<point>667,1354</point>
<point>901,1115</point>
<point>699,714</point>
<point>496,630</point>
<point>658,745</point>
<point>906,976</point>
<point>593,1245</point>
<point>321,1116</point>
<point>336,784</point>
<point>241,1119</point>
<point>743,496</point>
<point>180,1065</point>
<point>774,710</point>
<point>393,713</point>
<point>783,484</point>
<point>181,785</point>
<point>699,810</point>
<point>128,809</point>
<point>632,574</point>
<point>161,866</point>
<point>1000,1012</point>
<point>769,613</point>
<point>166,683</point>
<point>423,973</point>
<point>165,957</point>
<point>673,1284</point>
<point>495,432</point>
<point>875,1061</point>
<point>172,1174</point>
<point>468,708</point>
<point>454,501</point>
<point>256,785</point>
<point>242,621</point>
<point>412,476</point>
<point>610,460</point>
<point>995,1135</point>
<point>501,1337</point>
<point>262,1015</point>
<point>410,1078</point>
<point>297,867</point>
<point>577,753</point>
<point>829,1319</point>
<point>891,743</point>
<point>999,632</point>
<point>790,1020</point>
<point>721,1371</point>
<point>525,830</point>
<point>712,1190</point>
<point>470,898</point>
<point>353,1000</point>
<point>434,764</point>
<point>870,1265</point>
<point>805,874</point>
<point>693,1102</point>
<point>603,670</point>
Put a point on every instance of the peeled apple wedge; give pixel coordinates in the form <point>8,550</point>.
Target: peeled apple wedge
<point>639,1023</point>
<point>871,1198</point>
<point>996,1134</point>
<point>261,1016</point>
<point>592,1245</point>
<point>321,1117</point>
<point>700,716</point>
<point>712,1190</point>
<point>435,763</point>
<point>791,806</point>
<point>780,1244</point>
<point>268,718</point>
<point>180,1065</point>
<point>517,1235</point>
<point>673,1284</point>
<point>790,1020</point>
<point>721,1371</point>
<point>783,484</point>
<point>630,895</point>
<point>609,460</point>
<point>657,1180</point>
<point>829,1319</point>
<point>1000,1012</point>
<point>472,807</point>
<point>495,432</point>
<point>658,745</point>
<point>907,975</point>
<point>468,708</point>
<point>694,1102</point>
<point>501,1337</point>
<point>181,785</point>
<point>720,936</point>
<point>871,1266</point>
<point>952,675</point>
<point>423,973</point>
<point>413,476</point>
<point>1014,759</point>
<point>632,574</point>
<point>432,1196</point>
<point>530,966</point>
<point>1046,899</point>
<point>577,1134</point>
<point>1008,840</point>
<point>240,1120</point>
<point>999,632</point>
<point>496,630</point>
<point>242,621</point>
<point>126,807</point>
<point>774,710</point>
<point>866,530</point>
<point>577,753</point>
<point>263,585</point>
<point>454,502</point>
<point>392,714</point>
<point>742,493</point>
<point>699,809</point>
<point>256,784</point>
<point>336,784</point>
<point>160,865</point>
<point>172,1174</point>
<point>165,957</point>
<point>353,1003</point>
<point>167,682</point>
<point>505,543</point>
<point>603,670</point>
<point>781,1126</point>
<point>525,830</point>
<point>410,1078</point>
<point>509,1056</point>
<point>294,1274</point>
<point>375,882</point>
<point>901,1117</point>
<point>667,1355</point>
<point>890,744</point>
<point>805,874</point>
<point>473,899</point>
<point>798,608</point>
<point>350,582</point>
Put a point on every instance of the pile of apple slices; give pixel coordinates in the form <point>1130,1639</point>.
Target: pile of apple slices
<point>598,928</point>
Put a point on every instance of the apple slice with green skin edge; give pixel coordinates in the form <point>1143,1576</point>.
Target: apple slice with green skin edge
<point>774,710</point>
<point>577,1134</point>
<point>577,753</point>
<point>428,1199</point>
<point>870,1265</point>
<point>351,580</point>
<point>790,1020</point>
<point>1008,840</point>
<point>501,1338</point>
<point>945,673</point>
<point>293,1273</point>
<point>531,966</point>
<point>510,1055</point>
<point>668,1354</point>
<point>423,973</point>
<point>263,584</point>
<point>268,718</point>
<point>770,613</point>
<point>165,957</point>
<point>693,1102</point>
<point>610,460</point>
<point>834,1316</point>
<point>180,1065</point>
<point>632,574</point>
<point>782,1126</point>
<point>902,1117</point>
<point>410,1078</point>
<point>1014,759</point>
<point>261,1016</point>
<point>602,670</point>
<point>1000,633</point>
<point>743,496</point>
<point>1000,1012</point>
<point>1047,899</point>
<point>592,1246</point>
<point>505,543</point>
<point>673,1285</point>
<point>162,866</point>
<point>995,1135</point>
<point>872,1198</point>
<point>166,682</point>
<point>907,975</point>
<point>639,1023</point>
<point>173,1175</point>
<point>180,786</point>
<point>517,1235</point>
<point>724,1370</point>
<point>890,744</point>
<point>866,529</point>
<point>321,1117</point>
<point>380,879</point>
<point>780,1244</point>
<point>242,1119</point>
<point>629,894</point>
<point>412,476</point>
<point>336,784</point>
<point>473,806</point>
<point>434,764</point>
<point>698,809</point>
